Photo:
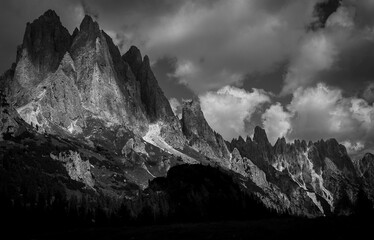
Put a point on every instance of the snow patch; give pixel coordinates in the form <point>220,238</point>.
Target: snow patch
<point>317,182</point>
<point>145,168</point>
<point>29,113</point>
<point>153,136</point>
<point>317,179</point>
<point>73,127</point>
<point>313,196</point>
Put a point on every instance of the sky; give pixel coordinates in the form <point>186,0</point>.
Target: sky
<point>302,69</point>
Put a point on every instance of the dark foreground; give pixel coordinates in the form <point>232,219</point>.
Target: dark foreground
<point>337,228</point>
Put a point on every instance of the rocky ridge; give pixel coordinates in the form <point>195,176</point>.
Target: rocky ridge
<point>201,136</point>
<point>322,171</point>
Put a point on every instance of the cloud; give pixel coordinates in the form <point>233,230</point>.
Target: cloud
<point>316,53</point>
<point>176,107</point>
<point>322,112</point>
<point>353,147</point>
<point>276,122</point>
<point>368,93</point>
<point>227,109</point>
<point>336,54</point>
<point>219,44</point>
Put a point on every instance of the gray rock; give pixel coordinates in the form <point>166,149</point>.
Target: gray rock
<point>201,136</point>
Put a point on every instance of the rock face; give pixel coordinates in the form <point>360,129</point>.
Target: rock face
<point>365,171</point>
<point>44,44</point>
<point>10,122</point>
<point>77,169</point>
<point>155,103</point>
<point>322,171</point>
<point>62,81</point>
<point>201,136</point>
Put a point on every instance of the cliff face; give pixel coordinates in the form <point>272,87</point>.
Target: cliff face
<point>63,81</point>
<point>11,124</point>
<point>365,172</point>
<point>322,171</point>
<point>44,45</point>
<point>156,105</point>
<point>201,136</point>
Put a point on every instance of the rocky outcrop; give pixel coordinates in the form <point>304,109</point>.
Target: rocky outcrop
<point>10,122</point>
<point>322,171</point>
<point>278,193</point>
<point>106,84</point>
<point>44,44</point>
<point>77,169</point>
<point>134,145</point>
<point>201,136</point>
<point>155,103</point>
<point>365,171</point>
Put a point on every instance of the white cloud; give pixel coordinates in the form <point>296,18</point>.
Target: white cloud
<point>227,109</point>
<point>368,94</point>
<point>317,53</point>
<point>323,51</point>
<point>276,122</point>
<point>343,17</point>
<point>322,112</point>
<point>218,44</point>
<point>191,75</point>
<point>353,147</point>
<point>176,107</point>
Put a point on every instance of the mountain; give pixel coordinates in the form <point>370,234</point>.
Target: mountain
<point>321,171</point>
<point>93,129</point>
<point>201,136</point>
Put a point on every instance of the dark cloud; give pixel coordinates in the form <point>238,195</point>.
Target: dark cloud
<point>322,12</point>
<point>353,70</point>
<point>88,10</point>
<point>16,13</point>
<point>163,69</point>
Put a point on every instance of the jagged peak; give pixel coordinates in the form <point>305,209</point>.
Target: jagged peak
<point>49,15</point>
<point>134,58</point>
<point>240,139</point>
<point>46,41</point>
<point>88,24</point>
<point>236,154</point>
<point>280,142</point>
<point>260,135</point>
<point>146,61</point>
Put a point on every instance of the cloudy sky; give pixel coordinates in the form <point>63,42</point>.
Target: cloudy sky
<point>303,69</point>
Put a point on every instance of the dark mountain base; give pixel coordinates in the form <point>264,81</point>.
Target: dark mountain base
<point>280,228</point>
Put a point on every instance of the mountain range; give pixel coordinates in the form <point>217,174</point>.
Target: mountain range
<point>82,122</point>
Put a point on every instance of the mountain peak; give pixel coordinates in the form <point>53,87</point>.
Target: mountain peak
<point>201,135</point>
<point>45,41</point>
<point>260,136</point>
<point>134,58</point>
<point>50,15</point>
<point>88,24</point>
